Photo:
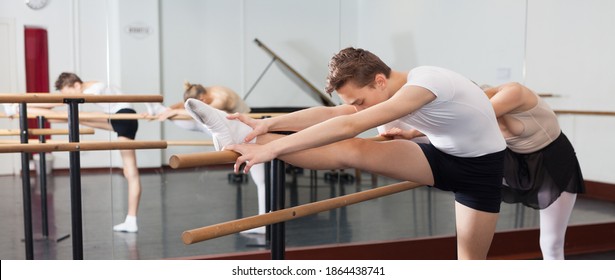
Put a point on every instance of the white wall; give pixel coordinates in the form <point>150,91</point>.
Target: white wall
<point>570,52</point>
<point>470,37</point>
<point>8,83</point>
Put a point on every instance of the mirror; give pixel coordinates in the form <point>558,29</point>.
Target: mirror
<point>151,47</point>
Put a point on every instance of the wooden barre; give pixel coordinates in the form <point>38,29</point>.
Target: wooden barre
<point>89,98</point>
<point>595,113</point>
<point>43,131</point>
<point>95,116</point>
<point>219,157</point>
<point>78,146</point>
<point>125,116</point>
<point>235,226</point>
<point>202,159</point>
<point>169,143</point>
<point>547,94</point>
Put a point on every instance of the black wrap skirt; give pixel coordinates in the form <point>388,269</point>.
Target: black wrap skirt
<point>537,179</point>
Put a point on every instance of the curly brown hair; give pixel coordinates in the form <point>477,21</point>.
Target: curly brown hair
<point>356,65</point>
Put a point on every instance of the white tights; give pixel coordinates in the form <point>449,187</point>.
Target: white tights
<point>257,172</point>
<point>553,223</point>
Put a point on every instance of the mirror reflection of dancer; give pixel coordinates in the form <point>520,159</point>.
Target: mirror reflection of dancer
<point>465,154</point>
<point>70,83</point>
<point>541,169</point>
<point>221,98</point>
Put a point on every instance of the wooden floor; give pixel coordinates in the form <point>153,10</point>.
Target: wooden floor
<point>174,201</point>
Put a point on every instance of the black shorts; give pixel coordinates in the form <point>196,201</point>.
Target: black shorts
<point>125,128</point>
<point>476,181</point>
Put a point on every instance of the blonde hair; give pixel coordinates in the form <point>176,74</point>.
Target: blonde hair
<point>193,90</point>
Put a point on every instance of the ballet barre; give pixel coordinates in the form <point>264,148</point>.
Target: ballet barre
<point>222,229</point>
<point>87,98</point>
<point>221,157</point>
<point>202,159</point>
<point>548,94</point>
<point>275,188</point>
<point>81,146</point>
<point>126,116</point>
<point>72,117</point>
<point>43,131</point>
<point>578,112</point>
<point>169,143</point>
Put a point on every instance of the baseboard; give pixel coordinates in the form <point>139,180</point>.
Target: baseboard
<point>599,191</point>
<point>508,245</point>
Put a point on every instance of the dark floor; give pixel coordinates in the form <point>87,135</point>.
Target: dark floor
<point>174,201</point>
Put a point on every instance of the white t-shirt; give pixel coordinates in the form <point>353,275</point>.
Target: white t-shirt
<point>461,120</point>
<point>102,89</point>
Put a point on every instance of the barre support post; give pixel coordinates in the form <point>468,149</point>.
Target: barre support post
<point>25,183</point>
<point>42,175</point>
<point>75,178</point>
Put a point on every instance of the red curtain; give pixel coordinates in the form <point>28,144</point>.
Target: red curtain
<point>37,65</point>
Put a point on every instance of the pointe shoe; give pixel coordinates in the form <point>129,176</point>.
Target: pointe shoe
<point>224,131</point>
<point>126,227</point>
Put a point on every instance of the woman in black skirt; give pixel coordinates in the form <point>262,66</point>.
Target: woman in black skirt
<point>541,169</point>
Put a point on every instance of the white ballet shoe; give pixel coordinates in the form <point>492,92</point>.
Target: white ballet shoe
<point>125,227</point>
<point>258,230</point>
<point>129,225</point>
<point>224,131</point>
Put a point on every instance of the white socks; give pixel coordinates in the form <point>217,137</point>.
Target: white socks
<point>223,130</point>
<point>129,225</point>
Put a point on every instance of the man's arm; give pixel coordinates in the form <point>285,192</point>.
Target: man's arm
<point>305,118</point>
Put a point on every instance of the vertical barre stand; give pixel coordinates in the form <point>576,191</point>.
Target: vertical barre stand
<point>73,101</point>
<point>277,193</point>
<point>25,183</point>
<point>43,178</point>
<point>75,177</point>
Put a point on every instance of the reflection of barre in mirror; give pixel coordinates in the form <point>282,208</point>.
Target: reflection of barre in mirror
<point>80,146</point>
<point>169,143</point>
<point>73,91</point>
<point>235,226</point>
<point>87,98</point>
<point>43,131</point>
<point>120,116</point>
